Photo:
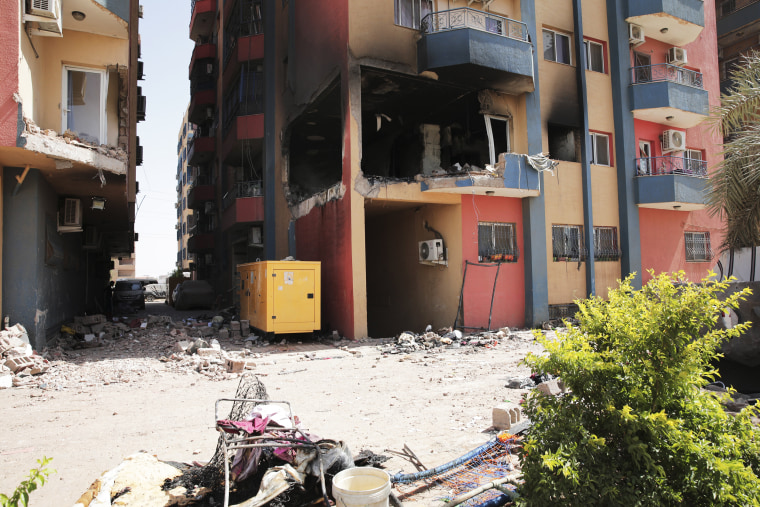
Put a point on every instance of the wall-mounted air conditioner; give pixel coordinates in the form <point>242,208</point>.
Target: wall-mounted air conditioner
<point>45,16</point>
<point>635,34</point>
<point>677,56</point>
<point>673,140</point>
<point>44,8</point>
<point>70,215</point>
<point>432,252</point>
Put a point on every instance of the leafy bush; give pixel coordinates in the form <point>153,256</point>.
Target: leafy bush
<point>37,477</point>
<point>635,428</point>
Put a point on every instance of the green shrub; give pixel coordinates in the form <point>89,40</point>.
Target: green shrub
<point>37,477</point>
<point>635,428</point>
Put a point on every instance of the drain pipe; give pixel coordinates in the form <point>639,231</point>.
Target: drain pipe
<point>588,215</point>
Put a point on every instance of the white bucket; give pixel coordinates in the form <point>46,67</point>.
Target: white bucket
<point>361,487</point>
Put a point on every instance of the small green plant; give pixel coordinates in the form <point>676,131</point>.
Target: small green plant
<point>37,478</point>
<point>635,427</point>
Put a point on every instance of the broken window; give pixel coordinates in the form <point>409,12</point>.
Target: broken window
<point>497,129</point>
<point>600,149</point>
<point>497,242</point>
<point>410,13</point>
<point>564,143</point>
<point>556,47</point>
<point>698,246</point>
<point>84,103</point>
<point>567,242</point>
<point>594,56</point>
<point>606,244</point>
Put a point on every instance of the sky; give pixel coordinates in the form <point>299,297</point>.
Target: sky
<point>166,50</point>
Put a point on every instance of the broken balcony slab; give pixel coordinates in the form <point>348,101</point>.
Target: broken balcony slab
<point>65,153</point>
<point>512,177</point>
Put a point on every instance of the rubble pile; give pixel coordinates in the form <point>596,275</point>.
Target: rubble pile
<point>73,138</point>
<point>408,342</point>
<point>19,362</point>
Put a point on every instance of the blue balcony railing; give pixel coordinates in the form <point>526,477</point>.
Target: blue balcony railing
<point>666,72</point>
<point>671,164</point>
<point>464,17</point>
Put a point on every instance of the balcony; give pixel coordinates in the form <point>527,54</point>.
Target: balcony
<point>206,51</point>
<point>243,35</point>
<point>736,15</point>
<point>675,22</point>
<point>668,94</point>
<point>200,241</point>
<point>202,15</point>
<point>199,195</point>
<point>244,203</point>
<point>670,182</point>
<point>477,49</point>
<point>201,150</point>
<point>518,179</point>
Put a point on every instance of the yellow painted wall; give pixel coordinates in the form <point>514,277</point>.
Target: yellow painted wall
<point>40,80</point>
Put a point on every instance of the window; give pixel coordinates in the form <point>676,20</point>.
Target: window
<point>498,136</point>
<point>600,149</point>
<point>698,246</point>
<point>497,242</point>
<point>566,242</point>
<point>83,104</point>
<point>564,143</point>
<point>693,162</point>
<point>606,244</point>
<point>556,47</point>
<point>727,7</point>
<point>594,56</point>
<point>410,13</point>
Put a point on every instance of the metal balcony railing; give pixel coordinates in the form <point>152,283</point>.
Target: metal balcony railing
<point>242,189</point>
<point>464,17</point>
<point>666,72</point>
<point>246,19</point>
<point>671,164</point>
<point>245,97</point>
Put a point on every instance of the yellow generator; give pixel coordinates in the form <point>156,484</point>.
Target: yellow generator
<point>281,296</point>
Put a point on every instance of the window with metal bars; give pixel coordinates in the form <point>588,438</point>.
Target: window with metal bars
<point>698,246</point>
<point>497,242</point>
<point>606,244</point>
<point>567,242</point>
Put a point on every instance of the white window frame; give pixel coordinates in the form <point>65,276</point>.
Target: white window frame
<point>700,243</point>
<point>417,15</point>
<point>509,253</point>
<point>595,143</point>
<point>692,160</point>
<point>555,35</point>
<point>587,47</point>
<point>103,134</point>
<point>489,130</point>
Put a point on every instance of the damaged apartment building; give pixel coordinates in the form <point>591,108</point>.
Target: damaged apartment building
<point>69,104</point>
<point>482,163</point>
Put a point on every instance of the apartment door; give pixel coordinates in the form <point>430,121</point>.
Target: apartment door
<point>645,158</point>
<point>83,104</point>
<point>642,64</point>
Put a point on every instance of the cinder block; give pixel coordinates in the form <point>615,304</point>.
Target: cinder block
<point>89,320</point>
<point>235,325</point>
<point>224,334</point>
<point>550,388</point>
<point>19,363</point>
<point>235,365</point>
<point>207,353</point>
<point>505,415</point>
<point>245,328</point>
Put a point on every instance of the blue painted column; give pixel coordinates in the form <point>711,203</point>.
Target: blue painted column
<point>625,139</point>
<point>534,212</point>
<point>588,212</point>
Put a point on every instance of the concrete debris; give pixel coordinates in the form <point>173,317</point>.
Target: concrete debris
<point>408,342</point>
<point>18,361</point>
<point>505,415</point>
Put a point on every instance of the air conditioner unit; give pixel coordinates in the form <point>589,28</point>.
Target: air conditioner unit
<point>209,259</point>
<point>209,207</point>
<point>677,56</point>
<point>45,8</point>
<point>635,34</point>
<point>673,140</point>
<point>254,236</point>
<point>431,252</point>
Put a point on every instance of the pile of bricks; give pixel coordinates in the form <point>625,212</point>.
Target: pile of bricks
<point>19,361</point>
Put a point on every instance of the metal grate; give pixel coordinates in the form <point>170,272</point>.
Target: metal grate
<point>567,311</point>
<point>606,244</point>
<point>567,242</point>
<point>698,246</point>
<point>497,242</point>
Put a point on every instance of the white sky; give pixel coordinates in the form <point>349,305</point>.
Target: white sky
<point>166,52</point>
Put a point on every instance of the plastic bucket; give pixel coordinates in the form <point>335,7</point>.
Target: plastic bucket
<point>361,487</point>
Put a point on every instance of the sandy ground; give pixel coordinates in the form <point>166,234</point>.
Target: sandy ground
<point>438,402</point>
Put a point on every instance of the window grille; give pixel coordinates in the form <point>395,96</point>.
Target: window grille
<point>567,242</point>
<point>497,242</point>
<point>606,244</point>
<point>698,246</point>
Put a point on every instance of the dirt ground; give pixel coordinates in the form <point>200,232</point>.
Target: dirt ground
<point>96,406</point>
